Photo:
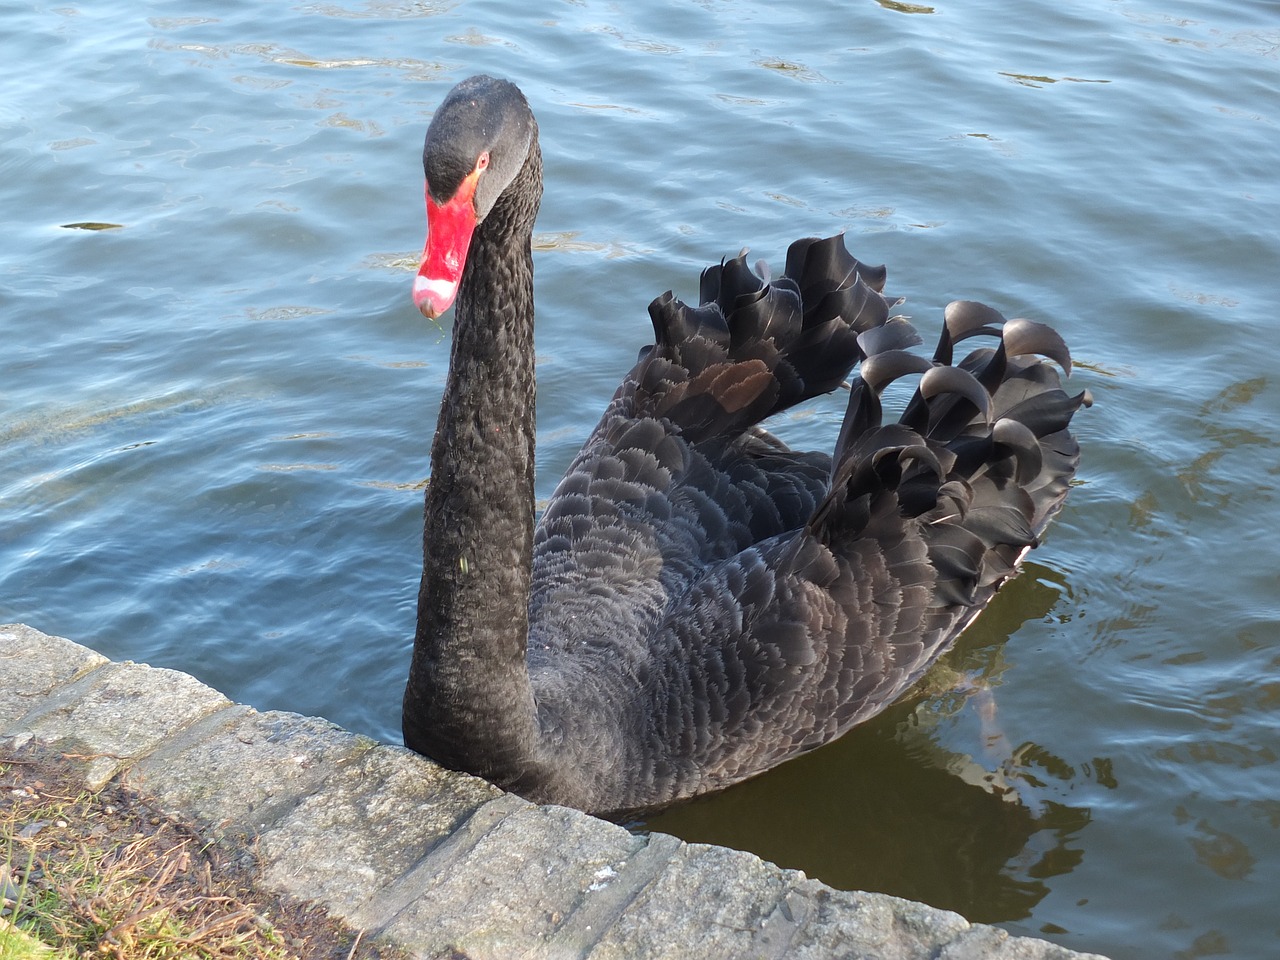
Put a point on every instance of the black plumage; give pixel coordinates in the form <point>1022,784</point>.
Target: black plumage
<point>698,603</point>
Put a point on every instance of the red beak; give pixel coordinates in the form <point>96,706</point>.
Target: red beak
<point>449,228</point>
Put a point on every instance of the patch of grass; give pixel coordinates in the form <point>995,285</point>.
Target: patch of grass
<point>106,875</point>
<point>17,944</point>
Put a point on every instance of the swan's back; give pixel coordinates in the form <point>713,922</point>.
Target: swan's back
<point>706,602</point>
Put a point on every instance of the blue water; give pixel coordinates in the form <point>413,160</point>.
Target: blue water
<point>216,398</point>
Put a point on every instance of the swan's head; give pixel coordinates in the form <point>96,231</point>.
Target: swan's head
<point>477,142</point>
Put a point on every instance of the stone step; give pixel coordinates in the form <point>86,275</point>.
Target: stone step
<point>435,862</point>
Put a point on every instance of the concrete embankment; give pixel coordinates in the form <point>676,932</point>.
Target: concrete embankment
<point>441,864</point>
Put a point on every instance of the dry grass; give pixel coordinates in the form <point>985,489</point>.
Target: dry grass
<point>105,875</point>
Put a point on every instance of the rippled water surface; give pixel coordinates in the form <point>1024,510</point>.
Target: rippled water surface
<point>216,398</point>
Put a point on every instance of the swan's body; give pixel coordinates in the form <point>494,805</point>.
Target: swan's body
<point>699,603</point>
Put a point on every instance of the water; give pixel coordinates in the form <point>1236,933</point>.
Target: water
<point>215,409</point>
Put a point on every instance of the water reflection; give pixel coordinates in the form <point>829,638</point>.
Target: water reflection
<point>929,800</point>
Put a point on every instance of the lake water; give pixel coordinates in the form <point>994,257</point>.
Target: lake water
<point>216,398</point>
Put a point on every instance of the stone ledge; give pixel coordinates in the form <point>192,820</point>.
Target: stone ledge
<point>440,863</point>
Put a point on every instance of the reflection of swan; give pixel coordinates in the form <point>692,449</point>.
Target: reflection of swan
<point>967,682</point>
<point>698,602</point>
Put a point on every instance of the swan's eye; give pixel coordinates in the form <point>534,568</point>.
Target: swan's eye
<point>482,161</point>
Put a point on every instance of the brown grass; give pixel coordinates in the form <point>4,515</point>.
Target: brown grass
<point>106,875</point>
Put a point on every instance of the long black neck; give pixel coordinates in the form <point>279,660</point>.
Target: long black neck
<point>469,703</point>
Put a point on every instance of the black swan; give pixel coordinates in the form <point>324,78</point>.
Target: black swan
<point>698,602</point>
